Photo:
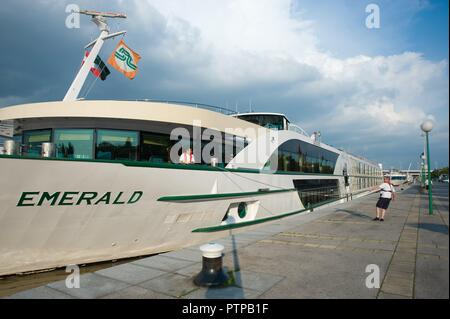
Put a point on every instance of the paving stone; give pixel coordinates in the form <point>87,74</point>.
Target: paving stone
<point>401,274</point>
<point>432,278</point>
<point>135,292</point>
<point>402,267</point>
<point>406,245</point>
<point>256,280</point>
<point>251,236</point>
<point>397,290</point>
<point>163,263</point>
<point>433,251</point>
<point>171,284</point>
<point>91,286</point>
<point>191,270</point>
<point>42,292</point>
<point>398,281</point>
<point>405,257</point>
<point>130,273</point>
<point>231,292</point>
<point>406,251</point>
<point>383,295</point>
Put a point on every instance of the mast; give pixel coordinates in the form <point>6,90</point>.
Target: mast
<point>99,18</point>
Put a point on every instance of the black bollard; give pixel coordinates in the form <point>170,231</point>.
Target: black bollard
<point>212,273</point>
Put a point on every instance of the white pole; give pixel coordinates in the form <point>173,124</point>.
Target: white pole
<point>78,82</point>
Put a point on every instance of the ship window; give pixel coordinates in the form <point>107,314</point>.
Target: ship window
<point>299,156</point>
<point>274,121</point>
<point>117,145</point>
<point>74,143</point>
<point>314,191</point>
<point>155,147</point>
<point>33,140</point>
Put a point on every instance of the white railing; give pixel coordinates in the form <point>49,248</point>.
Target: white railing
<point>298,129</point>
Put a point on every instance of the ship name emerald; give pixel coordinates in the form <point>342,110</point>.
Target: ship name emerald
<point>61,198</point>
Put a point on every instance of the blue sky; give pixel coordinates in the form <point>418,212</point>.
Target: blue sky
<point>420,26</point>
<point>366,90</point>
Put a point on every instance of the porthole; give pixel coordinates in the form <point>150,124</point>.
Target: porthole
<point>242,210</point>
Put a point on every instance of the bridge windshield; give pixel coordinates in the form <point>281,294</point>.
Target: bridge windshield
<point>271,121</point>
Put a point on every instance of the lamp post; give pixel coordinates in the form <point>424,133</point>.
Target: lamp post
<point>427,126</point>
<point>422,170</point>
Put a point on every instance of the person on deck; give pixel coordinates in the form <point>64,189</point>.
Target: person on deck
<point>187,157</point>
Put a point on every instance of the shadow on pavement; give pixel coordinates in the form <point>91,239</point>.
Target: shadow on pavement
<point>238,292</point>
<point>437,228</point>
<point>353,213</point>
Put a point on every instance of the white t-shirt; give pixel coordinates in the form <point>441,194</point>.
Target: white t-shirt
<point>187,158</point>
<point>386,190</point>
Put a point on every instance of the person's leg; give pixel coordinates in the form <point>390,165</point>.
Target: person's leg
<point>383,211</point>
<point>378,213</point>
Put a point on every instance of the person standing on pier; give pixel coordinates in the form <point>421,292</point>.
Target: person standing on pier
<point>387,193</point>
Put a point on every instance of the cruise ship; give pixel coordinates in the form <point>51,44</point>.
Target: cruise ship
<point>93,180</point>
<point>398,179</point>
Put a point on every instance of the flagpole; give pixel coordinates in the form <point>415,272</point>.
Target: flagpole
<point>99,19</point>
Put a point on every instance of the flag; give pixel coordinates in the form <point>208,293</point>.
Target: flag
<point>124,60</point>
<point>100,70</point>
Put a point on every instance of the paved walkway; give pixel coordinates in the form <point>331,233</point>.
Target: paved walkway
<point>323,254</point>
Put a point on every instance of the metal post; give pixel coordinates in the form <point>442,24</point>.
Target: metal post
<point>422,174</point>
<point>430,192</point>
<point>77,84</point>
<point>99,18</point>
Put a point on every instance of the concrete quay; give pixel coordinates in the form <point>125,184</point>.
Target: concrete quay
<point>323,254</point>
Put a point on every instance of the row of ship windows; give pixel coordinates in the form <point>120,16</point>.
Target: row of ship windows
<point>365,169</point>
<point>108,144</point>
<point>104,144</point>
<point>358,183</point>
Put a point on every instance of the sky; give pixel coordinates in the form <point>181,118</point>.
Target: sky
<point>365,89</point>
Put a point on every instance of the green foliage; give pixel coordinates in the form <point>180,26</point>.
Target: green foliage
<point>438,172</point>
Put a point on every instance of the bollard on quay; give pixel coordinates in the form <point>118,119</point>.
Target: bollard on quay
<point>212,273</point>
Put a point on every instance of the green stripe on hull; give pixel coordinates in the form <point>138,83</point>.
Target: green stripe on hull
<point>199,167</point>
<point>259,221</point>
<point>204,197</point>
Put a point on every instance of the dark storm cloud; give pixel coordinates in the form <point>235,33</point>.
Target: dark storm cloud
<point>39,54</point>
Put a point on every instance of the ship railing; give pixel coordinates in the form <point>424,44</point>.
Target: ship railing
<point>297,129</point>
<point>316,195</point>
<point>214,108</point>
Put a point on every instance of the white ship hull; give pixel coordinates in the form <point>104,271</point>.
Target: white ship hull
<point>59,232</point>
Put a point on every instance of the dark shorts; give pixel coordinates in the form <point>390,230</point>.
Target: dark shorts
<point>383,203</point>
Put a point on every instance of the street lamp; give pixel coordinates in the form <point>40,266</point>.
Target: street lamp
<point>427,126</point>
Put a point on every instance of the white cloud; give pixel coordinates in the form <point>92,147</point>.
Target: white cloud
<point>247,43</point>
<point>223,46</point>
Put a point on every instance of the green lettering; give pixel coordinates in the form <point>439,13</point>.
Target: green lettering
<point>24,197</point>
<point>116,201</point>
<point>47,196</point>
<point>87,196</point>
<point>135,197</point>
<point>105,198</point>
<point>67,196</point>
